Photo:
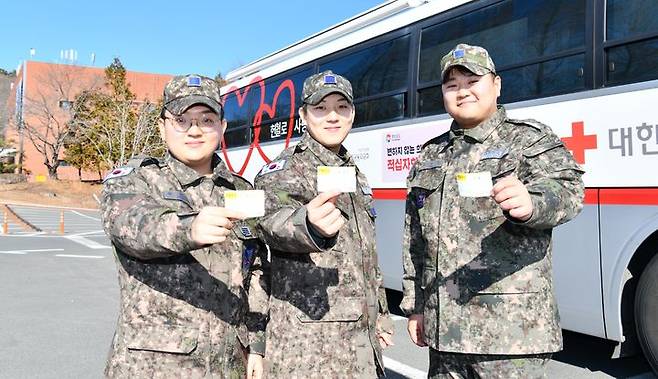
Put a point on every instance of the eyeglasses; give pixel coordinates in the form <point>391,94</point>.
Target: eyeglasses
<point>207,123</point>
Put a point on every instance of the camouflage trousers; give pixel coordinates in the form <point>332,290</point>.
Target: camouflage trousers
<point>474,366</point>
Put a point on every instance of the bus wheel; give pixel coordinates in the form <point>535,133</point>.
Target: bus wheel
<point>646,312</point>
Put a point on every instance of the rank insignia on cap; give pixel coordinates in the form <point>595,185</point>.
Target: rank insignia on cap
<point>329,79</point>
<point>458,53</point>
<point>273,167</point>
<point>117,173</point>
<point>194,81</point>
<point>246,231</point>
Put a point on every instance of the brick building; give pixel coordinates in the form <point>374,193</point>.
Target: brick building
<point>41,95</point>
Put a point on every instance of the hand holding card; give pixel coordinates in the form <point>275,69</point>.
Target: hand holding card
<point>250,203</point>
<point>336,179</point>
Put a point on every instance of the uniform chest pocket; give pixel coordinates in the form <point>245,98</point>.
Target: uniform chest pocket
<point>483,208</point>
<point>498,167</point>
<point>424,185</point>
<point>179,202</point>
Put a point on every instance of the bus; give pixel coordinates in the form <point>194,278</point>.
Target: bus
<point>587,68</point>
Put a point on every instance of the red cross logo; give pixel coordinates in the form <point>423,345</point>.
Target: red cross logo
<point>579,142</point>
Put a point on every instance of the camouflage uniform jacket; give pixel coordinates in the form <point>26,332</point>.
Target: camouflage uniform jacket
<point>481,278</point>
<point>326,302</point>
<point>182,306</point>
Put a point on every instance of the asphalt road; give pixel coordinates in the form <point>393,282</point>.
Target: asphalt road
<point>59,302</point>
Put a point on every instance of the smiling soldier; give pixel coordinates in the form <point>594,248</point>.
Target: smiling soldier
<point>477,252</point>
<point>328,316</point>
<point>181,256</point>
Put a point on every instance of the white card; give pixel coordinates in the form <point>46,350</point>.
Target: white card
<point>474,184</point>
<point>339,179</point>
<point>251,203</point>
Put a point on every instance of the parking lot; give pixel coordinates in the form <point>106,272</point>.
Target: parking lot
<point>60,301</point>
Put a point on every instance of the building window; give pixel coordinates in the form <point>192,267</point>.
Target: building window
<point>65,105</point>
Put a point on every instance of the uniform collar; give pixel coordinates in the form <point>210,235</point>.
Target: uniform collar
<point>326,156</point>
<point>482,131</point>
<point>187,176</point>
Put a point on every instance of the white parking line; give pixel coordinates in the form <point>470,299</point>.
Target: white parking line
<point>86,242</point>
<point>96,232</point>
<point>79,256</point>
<point>403,369</point>
<point>28,251</point>
<point>84,215</point>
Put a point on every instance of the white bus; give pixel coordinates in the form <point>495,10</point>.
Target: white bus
<point>587,68</point>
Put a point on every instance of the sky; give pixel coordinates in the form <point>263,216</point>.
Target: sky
<point>168,37</point>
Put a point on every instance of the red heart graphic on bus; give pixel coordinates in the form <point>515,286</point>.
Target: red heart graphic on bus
<point>240,98</point>
<point>263,109</point>
<point>271,112</point>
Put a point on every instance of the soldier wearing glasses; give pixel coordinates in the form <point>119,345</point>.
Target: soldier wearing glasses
<point>182,258</point>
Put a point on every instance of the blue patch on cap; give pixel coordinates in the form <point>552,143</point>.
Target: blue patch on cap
<point>193,81</point>
<point>458,53</point>
<point>329,79</point>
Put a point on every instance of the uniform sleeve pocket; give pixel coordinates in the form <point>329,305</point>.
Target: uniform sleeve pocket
<point>504,170</point>
<point>344,310</point>
<point>161,338</point>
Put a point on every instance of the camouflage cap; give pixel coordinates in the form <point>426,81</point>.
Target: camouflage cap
<point>317,86</point>
<point>183,91</point>
<point>475,59</point>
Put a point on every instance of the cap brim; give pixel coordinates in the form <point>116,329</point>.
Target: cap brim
<point>324,92</point>
<point>474,68</point>
<point>180,105</point>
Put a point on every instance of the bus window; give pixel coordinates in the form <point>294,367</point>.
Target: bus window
<point>276,126</point>
<point>632,37</point>
<point>379,110</point>
<point>546,78</point>
<point>549,44</point>
<point>379,79</point>
<point>240,114</point>
<point>236,137</point>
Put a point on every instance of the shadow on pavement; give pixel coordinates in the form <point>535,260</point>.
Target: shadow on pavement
<point>594,354</point>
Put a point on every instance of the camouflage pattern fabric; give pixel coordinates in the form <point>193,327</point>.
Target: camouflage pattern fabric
<point>325,305</point>
<point>472,366</point>
<point>317,87</point>
<point>183,91</point>
<point>182,306</point>
<point>474,58</point>
<point>482,279</point>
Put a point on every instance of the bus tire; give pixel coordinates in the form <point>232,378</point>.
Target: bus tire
<point>646,312</point>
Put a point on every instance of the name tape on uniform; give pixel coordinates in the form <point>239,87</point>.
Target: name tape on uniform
<point>251,203</point>
<point>340,179</point>
<point>474,184</point>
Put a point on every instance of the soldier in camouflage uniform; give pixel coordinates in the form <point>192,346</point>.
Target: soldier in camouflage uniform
<point>182,258</point>
<point>477,270</point>
<point>328,315</point>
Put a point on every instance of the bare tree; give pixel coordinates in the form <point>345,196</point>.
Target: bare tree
<point>48,111</point>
